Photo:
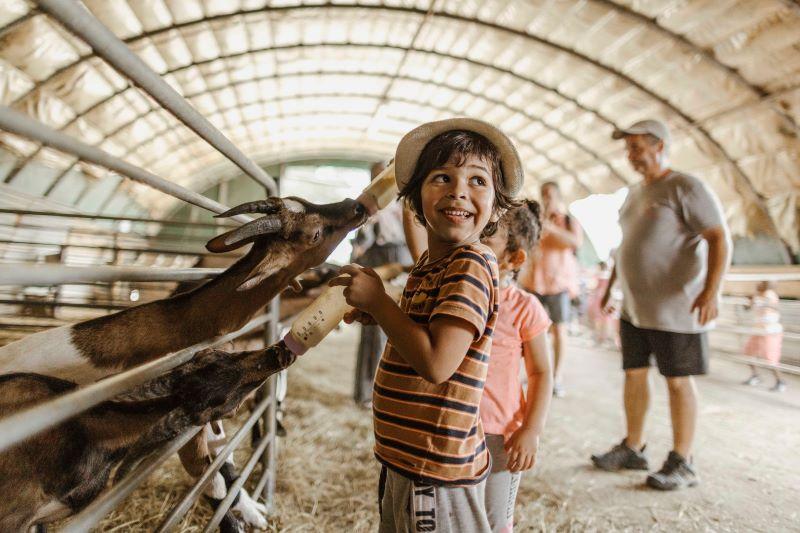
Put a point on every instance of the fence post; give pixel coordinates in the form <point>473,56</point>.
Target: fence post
<point>269,459</point>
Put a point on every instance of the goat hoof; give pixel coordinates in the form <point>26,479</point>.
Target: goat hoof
<point>280,429</point>
<point>252,512</point>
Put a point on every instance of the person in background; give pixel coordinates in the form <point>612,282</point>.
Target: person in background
<point>767,342</point>
<point>552,273</point>
<point>674,252</point>
<point>378,242</point>
<point>512,422</point>
<point>605,325</point>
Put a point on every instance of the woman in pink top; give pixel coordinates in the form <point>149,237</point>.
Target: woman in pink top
<point>552,274</point>
<point>512,425</point>
<point>767,340</point>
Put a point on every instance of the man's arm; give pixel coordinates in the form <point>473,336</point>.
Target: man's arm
<point>568,238</point>
<point>416,237</point>
<point>719,248</point>
<point>607,294</point>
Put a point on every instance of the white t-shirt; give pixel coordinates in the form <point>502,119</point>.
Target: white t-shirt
<point>661,262</point>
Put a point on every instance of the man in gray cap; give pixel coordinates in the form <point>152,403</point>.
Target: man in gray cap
<point>675,249</point>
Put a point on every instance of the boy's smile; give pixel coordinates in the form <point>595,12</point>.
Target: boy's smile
<point>457,202</point>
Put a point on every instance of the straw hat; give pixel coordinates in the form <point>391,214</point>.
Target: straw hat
<point>412,144</point>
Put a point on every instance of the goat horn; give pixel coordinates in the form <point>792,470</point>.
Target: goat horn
<point>268,206</point>
<point>261,226</point>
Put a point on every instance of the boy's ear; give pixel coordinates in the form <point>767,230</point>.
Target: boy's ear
<point>517,258</point>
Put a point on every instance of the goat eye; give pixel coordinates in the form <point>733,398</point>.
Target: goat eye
<point>316,236</point>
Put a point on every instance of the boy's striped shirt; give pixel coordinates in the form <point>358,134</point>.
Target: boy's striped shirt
<point>432,433</point>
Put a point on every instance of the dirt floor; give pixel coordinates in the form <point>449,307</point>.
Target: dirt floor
<point>748,456</point>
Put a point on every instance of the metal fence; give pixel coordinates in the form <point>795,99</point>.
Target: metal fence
<point>24,424</point>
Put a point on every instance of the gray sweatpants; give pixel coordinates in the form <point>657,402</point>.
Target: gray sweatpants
<point>408,507</point>
<point>501,488</point>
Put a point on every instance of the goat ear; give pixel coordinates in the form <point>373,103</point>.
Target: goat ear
<point>255,277</point>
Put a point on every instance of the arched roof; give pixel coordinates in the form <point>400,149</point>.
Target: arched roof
<point>287,79</point>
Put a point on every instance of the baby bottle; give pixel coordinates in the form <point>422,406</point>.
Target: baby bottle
<point>317,320</point>
<point>380,192</point>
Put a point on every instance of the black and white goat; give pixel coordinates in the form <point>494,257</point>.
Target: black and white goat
<point>60,471</point>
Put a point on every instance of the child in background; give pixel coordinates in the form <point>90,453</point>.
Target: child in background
<point>767,343</point>
<point>605,324</point>
<point>512,423</point>
<point>458,176</point>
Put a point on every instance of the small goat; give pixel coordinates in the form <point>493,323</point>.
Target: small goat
<point>293,236</point>
<point>60,471</point>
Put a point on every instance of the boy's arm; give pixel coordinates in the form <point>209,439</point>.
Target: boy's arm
<point>434,351</point>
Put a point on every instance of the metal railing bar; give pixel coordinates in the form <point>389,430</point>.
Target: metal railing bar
<point>36,274</point>
<point>108,46</point>
<point>20,124</point>
<point>766,276</point>
<point>234,489</point>
<point>163,236</point>
<point>79,305</point>
<point>29,212</point>
<point>29,422</point>
<point>111,498</point>
<point>743,359</point>
<point>166,251</point>
<point>179,510</point>
<point>725,328</point>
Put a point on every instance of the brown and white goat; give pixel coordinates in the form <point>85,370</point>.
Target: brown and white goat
<point>60,471</point>
<point>293,236</point>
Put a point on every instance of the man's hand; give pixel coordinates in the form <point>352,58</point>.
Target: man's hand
<point>706,305</point>
<point>363,287</point>
<point>521,449</point>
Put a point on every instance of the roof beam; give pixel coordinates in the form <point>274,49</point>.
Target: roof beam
<point>108,46</point>
<point>19,124</point>
<point>747,188</point>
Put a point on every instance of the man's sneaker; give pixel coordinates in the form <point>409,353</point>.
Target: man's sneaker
<point>619,457</point>
<point>676,473</point>
<point>752,381</point>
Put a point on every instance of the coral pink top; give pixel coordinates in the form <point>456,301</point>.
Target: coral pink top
<point>521,318</point>
<point>553,268</point>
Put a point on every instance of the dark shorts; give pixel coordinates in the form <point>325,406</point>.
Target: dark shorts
<point>677,354</point>
<point>556,305</point>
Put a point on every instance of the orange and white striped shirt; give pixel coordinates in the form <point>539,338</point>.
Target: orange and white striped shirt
<point>432,433</point>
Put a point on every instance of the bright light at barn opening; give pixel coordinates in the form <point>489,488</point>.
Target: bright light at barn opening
<point>325,184</point>
<point>599,216</point>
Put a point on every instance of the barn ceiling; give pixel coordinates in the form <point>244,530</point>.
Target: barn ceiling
<point>286,80</point>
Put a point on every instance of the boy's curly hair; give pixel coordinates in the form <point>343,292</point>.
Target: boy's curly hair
<point>524,225</point>
<point>455,146</point>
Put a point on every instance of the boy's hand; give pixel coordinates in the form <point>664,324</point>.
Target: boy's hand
<point>356,315</point>
<point>521,450</point>
<point>363,286</point>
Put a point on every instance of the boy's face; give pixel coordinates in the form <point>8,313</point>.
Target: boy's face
<point>457,202</point>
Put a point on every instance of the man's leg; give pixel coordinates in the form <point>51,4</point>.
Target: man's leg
<point>637,402</point>
<point>683,409</point>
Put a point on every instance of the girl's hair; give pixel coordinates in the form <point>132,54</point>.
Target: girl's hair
<point>455,146</point>
<point>524,227</point>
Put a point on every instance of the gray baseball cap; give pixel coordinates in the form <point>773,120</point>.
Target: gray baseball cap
<point>656,128</point>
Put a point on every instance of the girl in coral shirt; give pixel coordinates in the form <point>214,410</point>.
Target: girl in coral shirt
<point>511,422</point>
